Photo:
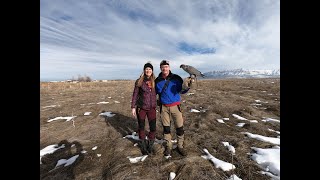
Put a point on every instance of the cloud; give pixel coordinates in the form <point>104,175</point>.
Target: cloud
<point>109,39</point>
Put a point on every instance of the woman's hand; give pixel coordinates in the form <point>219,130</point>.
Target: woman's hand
<point>134,112</point>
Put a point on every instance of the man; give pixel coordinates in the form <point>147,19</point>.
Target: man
<point>169,86</point>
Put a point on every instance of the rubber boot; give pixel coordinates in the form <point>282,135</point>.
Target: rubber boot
<point>150,147</point>
<point>143,146</point>
<point>168,144</point>
<point>180,142</point>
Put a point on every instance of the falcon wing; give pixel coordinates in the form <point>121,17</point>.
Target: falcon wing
<point>191,70</point>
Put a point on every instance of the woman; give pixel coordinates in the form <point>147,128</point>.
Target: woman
<point>144,105</point>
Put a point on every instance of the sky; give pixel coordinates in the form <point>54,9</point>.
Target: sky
<point>268,159</point>
<point>113,39</point>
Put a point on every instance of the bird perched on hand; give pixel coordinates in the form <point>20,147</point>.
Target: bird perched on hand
<point>193,72</point>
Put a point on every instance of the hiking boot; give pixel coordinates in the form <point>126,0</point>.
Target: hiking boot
<point>143,146</point>
<point>182,151</point>
<point>167,151</point>
<point>150,147</point>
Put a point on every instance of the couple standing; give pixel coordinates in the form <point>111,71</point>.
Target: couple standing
<point>168,86</point>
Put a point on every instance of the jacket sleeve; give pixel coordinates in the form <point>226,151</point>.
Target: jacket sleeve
<point>134,95</point>
<point>184,91</point>
<point>156,86</point>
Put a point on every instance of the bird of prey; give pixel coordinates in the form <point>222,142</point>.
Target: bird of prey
<point>193,72</point>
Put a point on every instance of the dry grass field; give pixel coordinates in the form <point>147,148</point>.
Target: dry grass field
<point>253,99</point>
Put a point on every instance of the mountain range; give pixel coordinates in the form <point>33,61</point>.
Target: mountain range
<point>241,73</point>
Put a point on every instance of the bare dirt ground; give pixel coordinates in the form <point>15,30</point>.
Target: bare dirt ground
<point>218,99</point>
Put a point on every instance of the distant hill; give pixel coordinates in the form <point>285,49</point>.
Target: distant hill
<point>241,73</point>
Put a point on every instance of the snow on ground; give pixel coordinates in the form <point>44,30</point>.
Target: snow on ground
<point>244,119</point>
<point>49,150</point>
<point>263,138</point>
<point>68,118</point>
<point>240,124</point>
<point>172,175</point>
<point>273,177</point>
<point>239,117</point>
<point>103,102</point>
<point>49,106</point>
<point>108,114</point>
<point>274,131</point>
<point>194,110</point>
<point>270,119</point>
<point>197,111</point>
<point>230,147</point>
<point>67,162</point>
<point>220,120</point>
<point>134,136</point>
<point>234,177</point>
<point>225,166</point>
<point>87,113</point>
<point>268,159</point>
<point>137,159</point>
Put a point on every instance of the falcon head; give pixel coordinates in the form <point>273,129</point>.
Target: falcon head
<point>182,66</point>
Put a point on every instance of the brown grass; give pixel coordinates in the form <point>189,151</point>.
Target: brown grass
<point>220,98</point>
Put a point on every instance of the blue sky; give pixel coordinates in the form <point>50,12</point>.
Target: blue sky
<point>113,39</point>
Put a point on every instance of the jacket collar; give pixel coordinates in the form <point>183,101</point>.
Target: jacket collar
<point>169,75</point>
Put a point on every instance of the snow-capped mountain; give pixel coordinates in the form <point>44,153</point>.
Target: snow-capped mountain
<point>240,73</point>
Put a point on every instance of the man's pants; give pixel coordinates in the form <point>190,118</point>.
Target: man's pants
<point>176,115</point>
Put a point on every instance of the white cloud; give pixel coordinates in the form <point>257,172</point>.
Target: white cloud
<point>84,37</point>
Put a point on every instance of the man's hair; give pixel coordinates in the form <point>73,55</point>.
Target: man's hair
<point>164,62</point>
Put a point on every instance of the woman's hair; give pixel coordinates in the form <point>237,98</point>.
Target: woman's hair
<point>143,76</point>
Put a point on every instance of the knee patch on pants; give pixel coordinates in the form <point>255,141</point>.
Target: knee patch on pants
<point>166,129</point>
<point>180,131</point>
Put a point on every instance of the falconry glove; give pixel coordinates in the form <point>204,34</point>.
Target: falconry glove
<point>187,82</point>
